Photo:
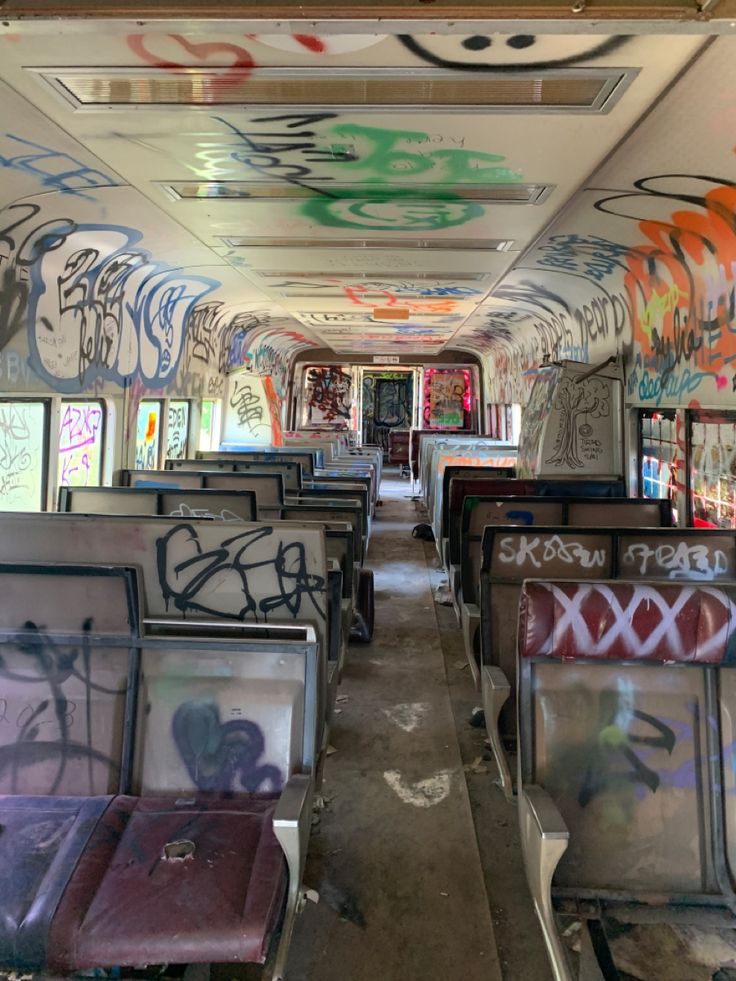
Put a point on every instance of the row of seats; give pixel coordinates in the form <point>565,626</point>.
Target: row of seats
<point>171,664</point>
<point>604,662</point>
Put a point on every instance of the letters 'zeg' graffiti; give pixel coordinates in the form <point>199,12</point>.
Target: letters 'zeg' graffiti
<point>222,756</point>
<point>219,582</point>
<point>97,306</point>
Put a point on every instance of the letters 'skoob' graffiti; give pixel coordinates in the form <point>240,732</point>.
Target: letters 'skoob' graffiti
<point>222,756</point>
<point>248,576</point>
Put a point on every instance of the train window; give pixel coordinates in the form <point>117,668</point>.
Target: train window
<point>657,453</point>
<point>447,398</point>
<point>504,421</point>
<point>147,435</point>
<point>177,431</point>
<point>209,425</point>
<point>712,474</point>
<point>81,435</point>
<point>23,442</point>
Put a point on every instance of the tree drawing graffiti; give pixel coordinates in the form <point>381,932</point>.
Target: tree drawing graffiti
<point>589,399</point>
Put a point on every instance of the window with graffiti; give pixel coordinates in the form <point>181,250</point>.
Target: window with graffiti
<point>177,430</point>
<point>712,476</point>
<point>209,425</point>
<point>23,430</point>
<point>657,453</point>
<point>147,435</point>
<point>447,398</point>
<point>81,434</point>
<point>328,392</point>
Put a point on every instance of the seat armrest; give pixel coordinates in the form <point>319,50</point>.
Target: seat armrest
<point>496,689</point>
<point>544,840</point>
<point>496,678</point>
<point>295,797</point>
<point>544,813</point>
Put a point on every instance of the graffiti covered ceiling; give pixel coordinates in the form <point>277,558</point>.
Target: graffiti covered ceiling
<point>226,198</point>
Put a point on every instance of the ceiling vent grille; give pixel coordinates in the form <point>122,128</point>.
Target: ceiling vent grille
<point>554,90</point>
<point>254,191</point>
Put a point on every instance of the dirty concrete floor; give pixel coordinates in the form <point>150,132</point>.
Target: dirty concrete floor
<point>417,856</point>
<point>395,856</point>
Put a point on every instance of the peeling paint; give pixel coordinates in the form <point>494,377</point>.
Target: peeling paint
<point>407,715</point>
<point>425,793</point>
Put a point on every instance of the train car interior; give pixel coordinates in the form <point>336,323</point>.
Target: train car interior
<point>368,490</point>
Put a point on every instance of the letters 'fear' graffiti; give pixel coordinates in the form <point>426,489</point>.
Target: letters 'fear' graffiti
<point>101,309</point>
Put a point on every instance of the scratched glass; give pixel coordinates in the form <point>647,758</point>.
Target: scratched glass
<point>147,435</point>
<point>218,721</point>
<point>209,425</point>
<point>81,432</point>
<point>62,702</point>
<point>621,749</point>
<point>22,455</point>
<point>713,469</point>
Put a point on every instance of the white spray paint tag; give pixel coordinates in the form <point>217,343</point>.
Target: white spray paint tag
<point>426,793</point>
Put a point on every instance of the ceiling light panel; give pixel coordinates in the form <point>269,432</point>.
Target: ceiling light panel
<point>555,90</point>
<point>260,191</point>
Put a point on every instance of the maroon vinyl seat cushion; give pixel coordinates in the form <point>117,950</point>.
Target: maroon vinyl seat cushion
<point>220,904</point>
<point>626,621</point>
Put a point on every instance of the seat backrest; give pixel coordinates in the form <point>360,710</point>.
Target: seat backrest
<point>618,722</point>
<point>245,463</point>
<point>471,473</point>
<point>67,635</point>
<point>268,488</point>
<point>213,504</point>
<point>160,478</point>
<point>482,512</point>
<point>500,458</point>
<point>321,513</point>
<point>191,568</point>
<point>226,717</point>
<point>308,459</point>
<point>511,555</point>
<point>677,553</point>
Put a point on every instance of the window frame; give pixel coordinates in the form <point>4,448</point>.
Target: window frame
<point>103,440</point>
<point>708,416</point>
<point>45,463</point>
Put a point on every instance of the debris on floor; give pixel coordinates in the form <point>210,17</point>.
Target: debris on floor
<point>424,532</point>
<point>477,718</point>
<point>442,594</point>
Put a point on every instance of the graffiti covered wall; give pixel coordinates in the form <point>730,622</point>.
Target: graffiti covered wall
<point>647,271</point>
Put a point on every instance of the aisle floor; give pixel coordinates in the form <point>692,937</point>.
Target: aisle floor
<point>395,856</point>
